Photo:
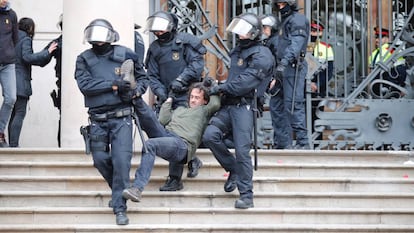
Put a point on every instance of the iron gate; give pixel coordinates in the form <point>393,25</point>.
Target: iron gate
<point>350,115</point>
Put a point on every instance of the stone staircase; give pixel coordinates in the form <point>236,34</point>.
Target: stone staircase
<point>59,190</point>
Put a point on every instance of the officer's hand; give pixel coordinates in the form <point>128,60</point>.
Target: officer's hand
<point>280,69</point>
<point>161,99</point>
<point>178,85</point>
<point>127,96</point>
<point>172,95</point>
<point>121,85</point>
<point>215,90</point>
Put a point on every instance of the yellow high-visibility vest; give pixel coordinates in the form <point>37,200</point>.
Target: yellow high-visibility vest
<point>383,53</point>
<point>323,51</point>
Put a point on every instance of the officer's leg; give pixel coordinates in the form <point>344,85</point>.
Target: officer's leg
<point>282,138</point>
<point>213,138</point>
<point>172,149</point>
<point>242,121</point>
<point>121,153</point>
<point>299,112</point>
<point>148,120</point>
<point>100,150</point>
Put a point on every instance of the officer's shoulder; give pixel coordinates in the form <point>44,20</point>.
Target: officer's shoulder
<point>191,40</point>
<point>325,44</point>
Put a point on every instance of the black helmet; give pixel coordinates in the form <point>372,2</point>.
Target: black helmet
<point>270,21</point>
<point>246,24</point>
<point>289,2</point>
<point>100,30</point>
<point>162,21</point>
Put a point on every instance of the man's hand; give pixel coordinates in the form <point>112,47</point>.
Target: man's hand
<point>121,85</point>
<point>280,69</point>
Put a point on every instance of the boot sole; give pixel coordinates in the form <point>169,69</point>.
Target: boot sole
<point>128,195</point>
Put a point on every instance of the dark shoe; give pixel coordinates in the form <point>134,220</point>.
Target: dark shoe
<point>3,142</point>
<point>231,183</point>
<point>172,184</point>
<point>193,167</point>
<point>244,203</point>
<point>110,203</point>
<point>122,218</point>
<point>133,194</point>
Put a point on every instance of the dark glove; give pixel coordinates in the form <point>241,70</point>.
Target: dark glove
<point>214,90</point>
<point>172,95</point>
<point>280,69</point>
<point>127,96</point>
<point>123,86</point>
<point>178,85</point>
<point>161,99</point>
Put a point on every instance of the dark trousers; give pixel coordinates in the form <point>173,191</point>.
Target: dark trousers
<point>16,120</point>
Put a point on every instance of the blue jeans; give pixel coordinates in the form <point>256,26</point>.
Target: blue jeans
<point>171,148</point>
<point>16,120</point>
<point>8,87</point>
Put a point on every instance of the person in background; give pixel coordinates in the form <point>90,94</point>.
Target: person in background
<point>292,68</point>
<point>8,40</point>
<point>382,52</point>
<point>250,69</point>
<point>281,136</point>
<point>180,138</point>
<point>174,61</point>
<point>25,59</point>
<point>100,74</point>
<point>139,46</point>
<point>324,53</point>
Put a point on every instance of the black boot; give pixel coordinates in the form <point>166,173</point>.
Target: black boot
<point>122,218</point>
<point>172,184</point>
<point>3,142</point>
<point>231,183</point>
<point>193,167</point>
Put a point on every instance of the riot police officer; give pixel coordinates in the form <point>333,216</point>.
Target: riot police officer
<point>174,61</point>
<point>281,133</point>
<point>250,69</point>
<point>292,67</point>
<point>108,99</point>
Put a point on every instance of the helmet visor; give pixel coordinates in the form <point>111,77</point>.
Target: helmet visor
<point>268,21</point>
<point>158,24</point>
<point>240,27</point>
<point>99,34</point>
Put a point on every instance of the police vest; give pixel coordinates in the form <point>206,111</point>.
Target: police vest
<point>105,68</point>
<point>241,59</point>
<point>171,56</point>
<point>323,52</point>
<point>384,53</point>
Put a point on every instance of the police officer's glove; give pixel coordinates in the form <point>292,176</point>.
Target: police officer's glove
<point>127,96</point>
<point>161,99</point>
<point>122,85</point>
<point>215,90</point>
<point>172,95</point>
<point>280,69</point>
<point>178,85</point>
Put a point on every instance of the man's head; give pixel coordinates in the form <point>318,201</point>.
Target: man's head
<point>316,30</point>
<point>27,25</point>
<point>4,4</point>
<point>246,26</point>
<point>382,36</point>
<point>286,7</point>
<point>198,95</point>
<point>100,31</point>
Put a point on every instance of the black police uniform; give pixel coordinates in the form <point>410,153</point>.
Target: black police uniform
<point>111,117</point>
<point>250,69</point>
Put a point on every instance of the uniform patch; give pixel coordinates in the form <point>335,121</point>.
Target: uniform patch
<point>118,70</point>
<point>240,62</point>
<point>176,56</point>
<point>7,21</point>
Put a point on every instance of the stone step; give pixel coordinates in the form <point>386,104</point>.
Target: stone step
<point>270,169</point>
<point>264,156</point>
<point>183,215</point>
<point>209,199</point>
<point>213,228</point>
<point>261,184</point>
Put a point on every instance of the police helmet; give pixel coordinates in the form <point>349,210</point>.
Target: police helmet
<point>246,24</point>
<point>162,21</point>
<point>100,30</point>
<point>289,2</point>
<point>270,21</point>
